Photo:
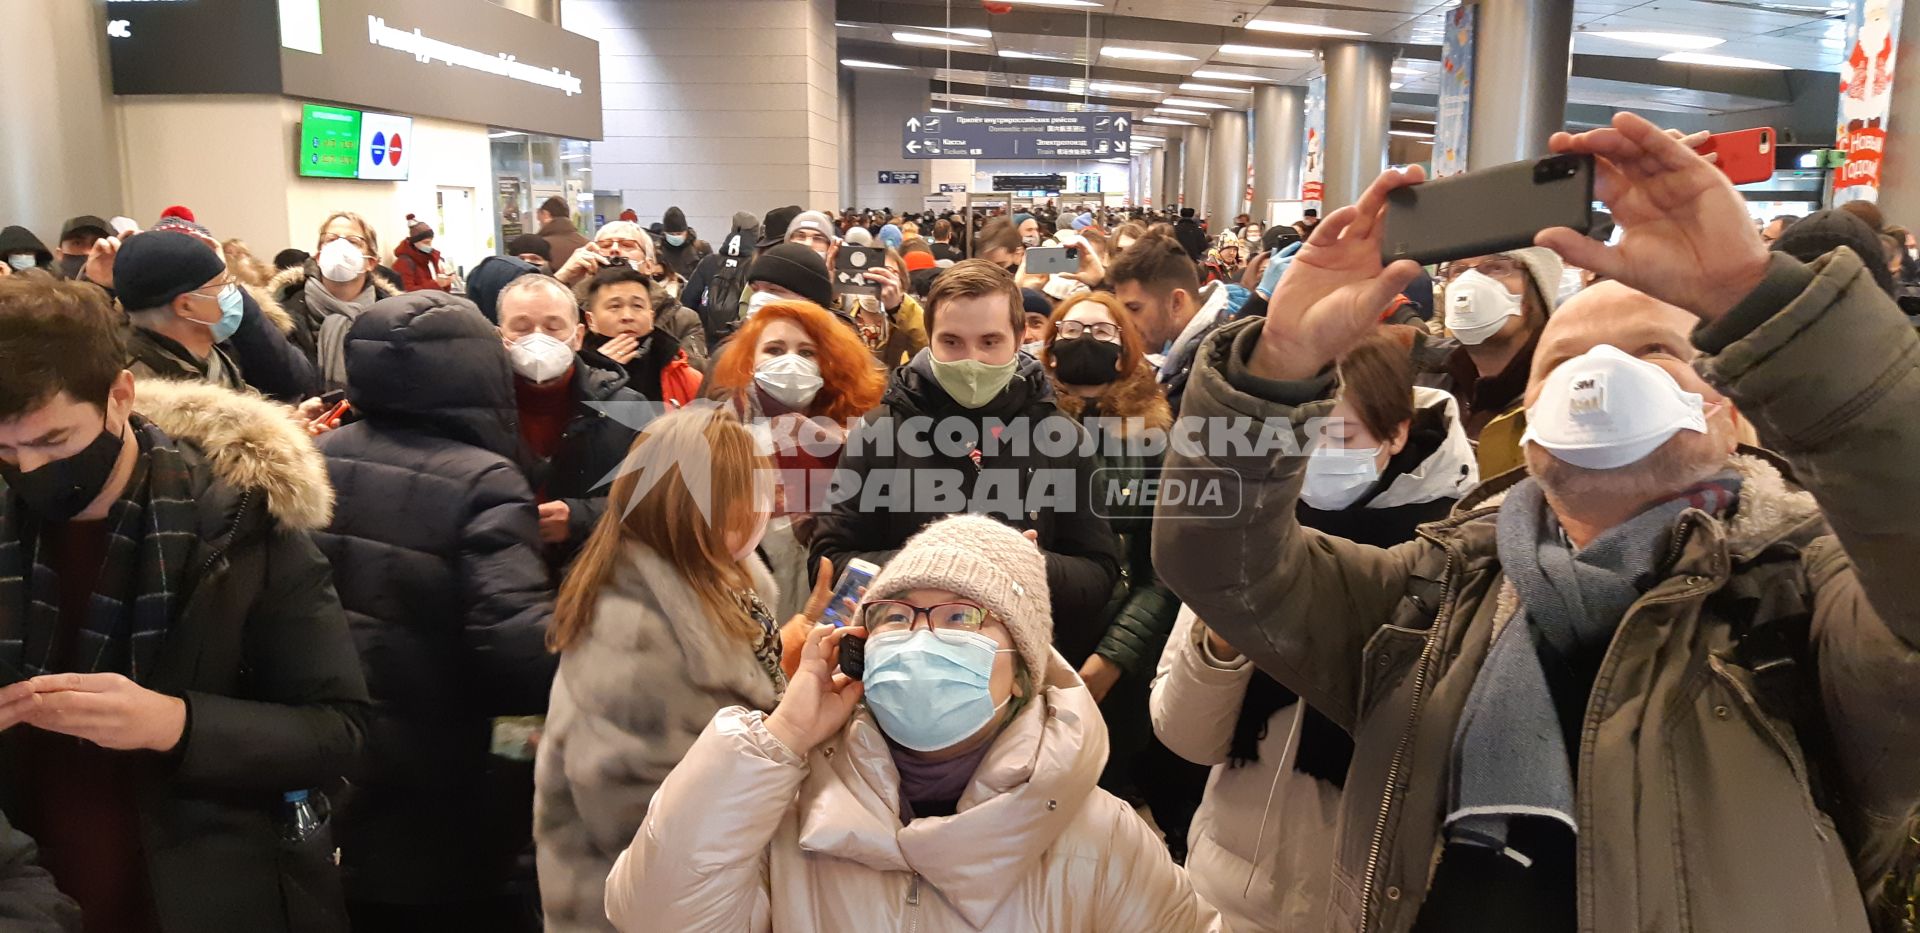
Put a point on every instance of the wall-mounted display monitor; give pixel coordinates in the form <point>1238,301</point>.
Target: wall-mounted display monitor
<point>338,142</point>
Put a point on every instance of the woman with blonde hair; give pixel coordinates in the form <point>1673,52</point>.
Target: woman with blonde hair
<point>329,291</point>
<point>662,621</point>
<point>804,373</point>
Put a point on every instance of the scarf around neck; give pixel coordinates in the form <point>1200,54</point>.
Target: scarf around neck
<point>336,317</point>
<point>1511,754</point>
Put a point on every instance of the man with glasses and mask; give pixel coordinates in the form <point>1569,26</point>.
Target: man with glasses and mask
<point>182,304</point>
<point>176,661</point>
<point>1496,307</point>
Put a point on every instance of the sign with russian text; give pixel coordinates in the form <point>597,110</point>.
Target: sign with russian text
<point>1866,95</point>
<point>1313,176</point>
<point>1456,93</point>
<point>1015,135</point>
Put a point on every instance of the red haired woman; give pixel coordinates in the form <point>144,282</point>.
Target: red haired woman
<point>807,376</point>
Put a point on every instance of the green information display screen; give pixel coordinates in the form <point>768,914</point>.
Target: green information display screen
<point>329,141</point>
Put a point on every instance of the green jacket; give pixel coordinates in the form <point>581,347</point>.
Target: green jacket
<point>1694,798</point>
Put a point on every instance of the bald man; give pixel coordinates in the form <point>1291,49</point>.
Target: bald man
<point>1650,683</point>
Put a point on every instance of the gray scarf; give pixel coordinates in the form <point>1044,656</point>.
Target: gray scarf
<point>336,316</point>
<point>1510,758</point>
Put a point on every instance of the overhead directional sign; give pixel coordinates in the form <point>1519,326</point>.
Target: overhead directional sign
<point>899,178</point>
<point>1015,134</point>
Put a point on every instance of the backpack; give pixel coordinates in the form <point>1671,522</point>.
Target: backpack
<point>721,303</point>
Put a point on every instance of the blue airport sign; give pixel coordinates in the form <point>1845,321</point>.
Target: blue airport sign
<point>1016,134</point>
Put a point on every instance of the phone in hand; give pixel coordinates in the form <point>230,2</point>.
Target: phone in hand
<point>1488,211</point>
<point>850,267</point>
<point>1746,156</point>
<point>840,613</point>
<point>1053,260</point>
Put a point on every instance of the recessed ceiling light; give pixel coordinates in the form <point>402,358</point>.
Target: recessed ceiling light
<point>1720,61</point>
<point>1141,137</point>
<point>1213,88</point>
<point>1168,121</point>
<point>959,31</point>
<point>859,63</point>
<point>1146,55</point>
<point>1113,88</point>
<point>1191,102</point>
<point>1300,29</point>
<point>1410,134</point>
<point>1265,51</point>
<point>1014,53</point>
<point>505,135</point>
<point>1071,3</point>
<point>1407,70</point>
<point>938,110</point>
<point>1230,76</point>
<point>1397,85</point>
<point>1678,41</point>
<point>1421,122</point>
<point>1191,113</point>
<point>914,38</point>
<point>850,25</point>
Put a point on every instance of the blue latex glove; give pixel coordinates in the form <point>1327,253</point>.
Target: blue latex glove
<point>1277,266</point>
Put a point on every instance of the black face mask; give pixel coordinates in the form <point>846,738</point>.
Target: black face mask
<point>1085,361</point>
<point>60,489</point>
<point>70,266</point>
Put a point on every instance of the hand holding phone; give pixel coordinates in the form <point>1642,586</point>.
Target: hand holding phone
<point>850,267</point>
<point>1489,211</point>
<point>839,613</point>
<point>1744,156</point>
<point>1053,260</point>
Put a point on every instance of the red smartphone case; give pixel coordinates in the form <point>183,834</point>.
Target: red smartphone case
<point>1746,156</point>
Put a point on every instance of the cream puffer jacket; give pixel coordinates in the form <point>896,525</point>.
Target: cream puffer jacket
<point>746,836</point>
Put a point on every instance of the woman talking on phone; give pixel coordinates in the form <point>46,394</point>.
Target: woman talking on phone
<point>663,620</point>
<point>961,795</point>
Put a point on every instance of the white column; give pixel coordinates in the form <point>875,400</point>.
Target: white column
<point>1157,176</point>
<point>716,120</point>
<point>59,150</point>
<point>1522,50</point>
<point>1359,103</point>
<point>1193,169</point>
<point>1226,170</point>
<point>1278,115</point>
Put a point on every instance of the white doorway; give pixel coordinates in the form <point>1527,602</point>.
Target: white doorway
<point>457,235</point>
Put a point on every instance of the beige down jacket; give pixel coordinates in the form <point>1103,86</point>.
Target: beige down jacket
<point>745,836</point>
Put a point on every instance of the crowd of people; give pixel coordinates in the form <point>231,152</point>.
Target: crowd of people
<point>1231,581</point>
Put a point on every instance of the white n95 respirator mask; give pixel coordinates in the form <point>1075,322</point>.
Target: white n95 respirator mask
<point>1478,306</point>
<point>1606,409</point>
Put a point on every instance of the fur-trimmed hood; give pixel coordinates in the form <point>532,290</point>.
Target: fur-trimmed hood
<point>250,443</point>
<point>270,307</point>
<point>294,278</point>
<point>1135,395</point>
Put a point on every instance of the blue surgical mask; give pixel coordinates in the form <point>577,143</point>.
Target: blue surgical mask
<point>232,309</point>
<point>21,261</point>
<point>930,690</point>
<point>676,239</point>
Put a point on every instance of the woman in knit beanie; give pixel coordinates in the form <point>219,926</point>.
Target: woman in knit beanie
<point>960,796</point>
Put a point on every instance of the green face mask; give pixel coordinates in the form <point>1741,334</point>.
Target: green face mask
<point>972,383</point>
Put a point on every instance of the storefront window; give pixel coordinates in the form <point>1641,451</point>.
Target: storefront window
<point>529,169</point>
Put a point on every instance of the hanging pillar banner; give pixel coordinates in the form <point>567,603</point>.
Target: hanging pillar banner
<point>1456,93</point>
<point>1313,176</point>
<point>1866,95</point>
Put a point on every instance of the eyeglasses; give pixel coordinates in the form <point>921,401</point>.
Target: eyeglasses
<point>1101,330</point>
<point>220,289</point>
<point>1498,267</point>
<point>891,615</point>
<point>359,242</point>
<point>621,244</point>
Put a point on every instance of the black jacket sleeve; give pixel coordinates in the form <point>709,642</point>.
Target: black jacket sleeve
<point>846,531</point>
<point>1083,564</point>
<point>508,597</point>
<point>29,902</point>
<point>304,720</point>
<point>694,293</point>
<point>270,362</point>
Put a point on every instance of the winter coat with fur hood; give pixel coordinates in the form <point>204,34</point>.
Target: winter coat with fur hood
<point>260,652</point>
<point>289,290</point>
<point>631,697</point>
<point>747,836</point>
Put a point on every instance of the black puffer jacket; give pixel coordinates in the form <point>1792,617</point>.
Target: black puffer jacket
<point>594,443</point>
<point>436,553</point>
<point>1083,556</point>
<point>29,901</point>
<point>260,653</point>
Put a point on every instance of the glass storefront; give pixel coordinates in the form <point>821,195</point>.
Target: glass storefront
<point>529,169</point>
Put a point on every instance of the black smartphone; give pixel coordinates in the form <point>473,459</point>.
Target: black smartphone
<point>1488,211</point>
<point>850,267</point>
<point>330,399</point>
<point>840,613</point>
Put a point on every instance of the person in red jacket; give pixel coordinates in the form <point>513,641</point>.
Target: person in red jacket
<point>805,373</point>
<point>419,264</point>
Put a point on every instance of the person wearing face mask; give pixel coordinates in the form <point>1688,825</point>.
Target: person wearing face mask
<point>532,248</point>
<point>665,619</point>
<point>21,250</point>
<point>621,334</point>
<point>435,550</point>
<point>182,305</point>
<point>576,418</point>
<point>177,660</point>
<point>1103,381</point>
<point>1262,845</point>
<point>1496,306</point>
<point>1036,314</point>
<point>418,263</point>
<point>975,387</point>
<point>1650,677</point>
<point>960,795</point>
<point>77,237</point>
<point>324,296</point>
<point>680,249</point>
<point>802,372</point>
